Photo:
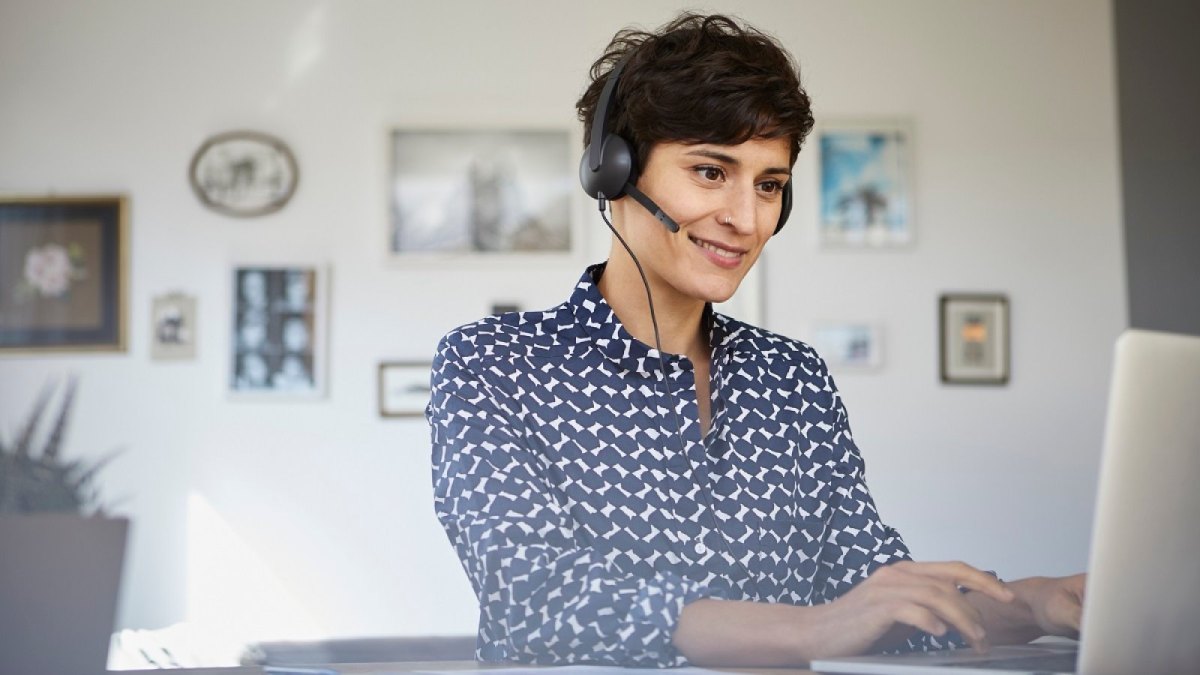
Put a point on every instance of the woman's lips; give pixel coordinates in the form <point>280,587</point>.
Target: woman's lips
<point>719,254</point>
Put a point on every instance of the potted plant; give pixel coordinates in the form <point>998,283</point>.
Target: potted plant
<point>60,555</point>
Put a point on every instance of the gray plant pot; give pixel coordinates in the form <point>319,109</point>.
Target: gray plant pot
<point>59,579</point>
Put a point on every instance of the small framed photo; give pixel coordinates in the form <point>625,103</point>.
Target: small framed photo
<point>64,270</point>
<point>485,192</point>
<point>865,170</point>
<point>173,318</point>
<point>403,388</point>
<point>974,339</point>
<point>278,336</point>
<point>848,345</point>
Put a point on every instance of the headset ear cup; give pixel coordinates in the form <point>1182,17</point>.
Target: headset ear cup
<point>785,209</point>
<point>615,170</point>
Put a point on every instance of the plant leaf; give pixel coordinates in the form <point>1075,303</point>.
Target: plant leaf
<point>24,439</point>
<point>50,451</point>
<point>89,473</point>
<point>33,482</point>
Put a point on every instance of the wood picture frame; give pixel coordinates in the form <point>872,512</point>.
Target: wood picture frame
<point>64,273</point>
<point>974,339</point>
<point>403,388</point>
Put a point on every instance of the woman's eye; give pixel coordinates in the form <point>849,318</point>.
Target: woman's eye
<point>711,172</point>
<point>770,186</point>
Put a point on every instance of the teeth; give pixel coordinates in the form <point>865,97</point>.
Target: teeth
<point>719,251</point>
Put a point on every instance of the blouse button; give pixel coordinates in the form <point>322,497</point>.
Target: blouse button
<point>700,548</point>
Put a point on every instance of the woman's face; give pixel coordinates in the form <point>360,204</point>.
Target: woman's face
<point>726,199</point>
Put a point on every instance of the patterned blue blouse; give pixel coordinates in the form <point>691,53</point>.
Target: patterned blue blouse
<point>587,519</point>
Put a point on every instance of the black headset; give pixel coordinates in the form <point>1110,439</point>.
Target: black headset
<point>608,169</point>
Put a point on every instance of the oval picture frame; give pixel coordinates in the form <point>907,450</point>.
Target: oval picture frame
<point>244,173</point>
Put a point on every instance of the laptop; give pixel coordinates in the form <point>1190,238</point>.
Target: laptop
<point>59,576</point>
<point>1143,591</point>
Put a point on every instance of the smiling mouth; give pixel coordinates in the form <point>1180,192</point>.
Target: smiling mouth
<point>728,254</point>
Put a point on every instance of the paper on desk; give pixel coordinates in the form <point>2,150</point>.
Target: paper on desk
<point>569,670</point>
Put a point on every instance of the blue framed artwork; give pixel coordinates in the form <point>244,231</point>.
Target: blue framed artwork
<point>865,172</point>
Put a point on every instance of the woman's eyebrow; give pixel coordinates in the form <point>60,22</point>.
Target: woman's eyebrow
<point>733,161</point>
<point>713,154</point>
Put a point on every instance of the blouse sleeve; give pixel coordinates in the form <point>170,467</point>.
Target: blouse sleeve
<point>544,596</point>
<point>858,543</point>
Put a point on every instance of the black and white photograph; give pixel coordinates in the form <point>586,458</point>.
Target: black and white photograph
<point>174,324</point>
<point>244,173</point>
<point>278,340</point>
<point>486,192</point>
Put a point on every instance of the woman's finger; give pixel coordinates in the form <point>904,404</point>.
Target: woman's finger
<point>965,576</point>
<point>948,605</point>
<point>921,618</point>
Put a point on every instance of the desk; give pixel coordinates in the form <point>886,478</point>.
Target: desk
<point>412,666</point>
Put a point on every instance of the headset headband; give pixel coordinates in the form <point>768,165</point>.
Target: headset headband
<point>604,108</point>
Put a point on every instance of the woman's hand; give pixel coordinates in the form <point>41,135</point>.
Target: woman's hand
<point>880,613</point>
<point>1057,603</point>
<point>897,600</point>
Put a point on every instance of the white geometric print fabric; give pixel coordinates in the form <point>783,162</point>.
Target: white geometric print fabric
<point>562,482</point>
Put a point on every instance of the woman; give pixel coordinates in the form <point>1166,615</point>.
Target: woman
<point>700,500</point>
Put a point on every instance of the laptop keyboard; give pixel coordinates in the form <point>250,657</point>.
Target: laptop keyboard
<point>1051,663</point>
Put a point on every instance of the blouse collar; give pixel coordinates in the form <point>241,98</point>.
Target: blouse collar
<point>597,319</point>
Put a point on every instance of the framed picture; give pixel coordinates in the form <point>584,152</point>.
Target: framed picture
<point>848,345</point>
<point>865,170</point>
<point>481,192</point>
<point>974,339</point>
<point>244,173</point>
<point>403,388</point>
<point>63,273</point>
<point>278,336</point>
<point>173,320</point>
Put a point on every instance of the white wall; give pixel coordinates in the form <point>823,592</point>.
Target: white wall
<point>1016,188</point>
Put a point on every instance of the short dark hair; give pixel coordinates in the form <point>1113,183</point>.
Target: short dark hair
<point>699,79</point>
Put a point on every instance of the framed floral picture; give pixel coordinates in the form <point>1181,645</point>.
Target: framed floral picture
<point>63,273</point>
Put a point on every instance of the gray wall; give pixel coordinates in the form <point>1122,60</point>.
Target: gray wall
<point>1158,75</point>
